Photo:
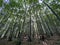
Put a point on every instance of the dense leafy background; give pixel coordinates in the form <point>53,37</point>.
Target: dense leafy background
<point>29,16</point>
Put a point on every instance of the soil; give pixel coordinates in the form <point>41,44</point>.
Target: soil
<point>53,40</point>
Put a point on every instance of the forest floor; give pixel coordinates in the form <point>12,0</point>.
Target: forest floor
<point>54,40</point>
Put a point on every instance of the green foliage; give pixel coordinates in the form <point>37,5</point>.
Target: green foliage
<point>1,2</point>
<point>25,14</point>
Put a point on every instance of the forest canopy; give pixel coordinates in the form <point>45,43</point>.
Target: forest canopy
<point>29,16</point>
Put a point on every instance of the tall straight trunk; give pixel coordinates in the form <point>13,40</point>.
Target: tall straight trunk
<point>19,39</point>
<point>53,24</point>
<point>30,31</point>
<point>42,24</point>
<point>48,21</point>
<point>11,30</point>
<point>46,26</point>
<point>51,33</point>
<point>52,11</point>
<point>24,16</point>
